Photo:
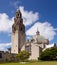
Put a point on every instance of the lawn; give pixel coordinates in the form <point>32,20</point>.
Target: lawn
<point>32,63</point>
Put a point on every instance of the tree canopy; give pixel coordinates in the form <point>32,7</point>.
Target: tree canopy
<point>49,54</point>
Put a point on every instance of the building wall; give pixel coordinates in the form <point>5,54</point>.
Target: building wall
<point>14,48</point>
<point>35,51</point>
<point>22,40</point>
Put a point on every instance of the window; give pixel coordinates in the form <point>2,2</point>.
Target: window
<point>27,48</point>
<point>0,55</point>
<point>21,28</point>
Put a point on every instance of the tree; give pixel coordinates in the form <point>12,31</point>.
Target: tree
<point>23,56</point>
<point>9,50</point>
<point>49,54</point>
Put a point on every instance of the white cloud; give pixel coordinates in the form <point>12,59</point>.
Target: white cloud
<point>5,23</point>
<point>46,30</point>
<point>29,16</point>
<point>4,46</point>
<point>15,4</point>
<point>55,29</point>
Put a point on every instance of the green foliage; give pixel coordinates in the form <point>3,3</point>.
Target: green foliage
<point>49,54</point>
<point>23,56</point>
<point>9,49</point>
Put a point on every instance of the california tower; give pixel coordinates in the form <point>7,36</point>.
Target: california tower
<point>18,33</point>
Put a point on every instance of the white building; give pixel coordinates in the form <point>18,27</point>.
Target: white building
<point>34,46</point>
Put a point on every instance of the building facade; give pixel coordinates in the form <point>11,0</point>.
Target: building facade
<point>34,46</point>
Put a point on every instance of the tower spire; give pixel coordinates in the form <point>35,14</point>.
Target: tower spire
<point>18,14</point>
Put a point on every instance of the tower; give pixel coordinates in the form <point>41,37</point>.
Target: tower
<point>18,33</point>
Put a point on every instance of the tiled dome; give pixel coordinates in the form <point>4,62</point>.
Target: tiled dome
<point>38,37</point>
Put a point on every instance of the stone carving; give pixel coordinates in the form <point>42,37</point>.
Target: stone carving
<point>18,22</point>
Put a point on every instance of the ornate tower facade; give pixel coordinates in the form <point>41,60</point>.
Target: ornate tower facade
<point>18,33</point>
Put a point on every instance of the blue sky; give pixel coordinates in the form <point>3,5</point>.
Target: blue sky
<point>41,14</point>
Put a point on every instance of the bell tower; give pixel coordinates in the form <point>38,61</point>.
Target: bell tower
<point>18,33</point>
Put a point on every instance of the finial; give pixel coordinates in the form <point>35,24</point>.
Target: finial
<point>37,32</point>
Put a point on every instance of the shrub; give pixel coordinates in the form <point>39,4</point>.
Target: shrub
<point>23,56</point>
<point>49,54</point>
